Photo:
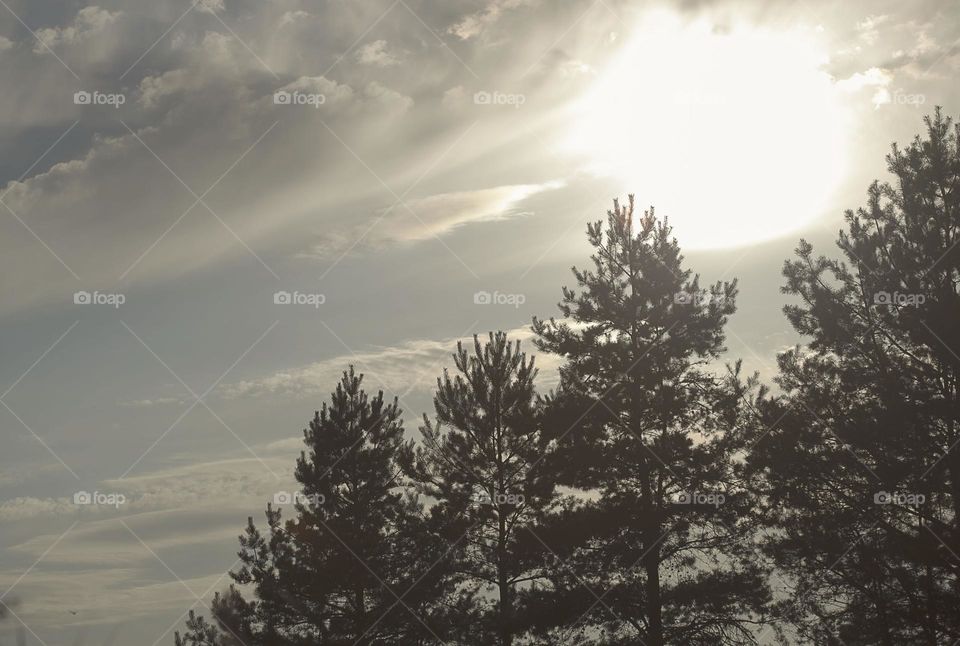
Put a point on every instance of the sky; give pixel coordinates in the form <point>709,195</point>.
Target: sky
<point>209,209</point>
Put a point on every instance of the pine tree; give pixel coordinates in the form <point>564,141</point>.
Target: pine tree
<point>481,461</point>
<point>200,632</point>
<point>658,550</point>
<point>356,564</point>
<point>859,457</point>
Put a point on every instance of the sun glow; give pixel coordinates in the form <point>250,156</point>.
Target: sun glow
<point>736,135</point>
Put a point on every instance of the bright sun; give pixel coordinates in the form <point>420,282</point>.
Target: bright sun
<point>737,136</point>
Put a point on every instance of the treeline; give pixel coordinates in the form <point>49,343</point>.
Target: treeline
<point>652,497</point>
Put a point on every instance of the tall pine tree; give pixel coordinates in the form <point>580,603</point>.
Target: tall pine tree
<point>658,551</point>
<point>859,459</point>
<point>356,564</point>
<point>481,461</point>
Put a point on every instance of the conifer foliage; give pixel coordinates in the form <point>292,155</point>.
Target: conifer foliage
<point>342,569</point>
<point>483,462</point>
<point>651,436</point>
<point>859,459</point>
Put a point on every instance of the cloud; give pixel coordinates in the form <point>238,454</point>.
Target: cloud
<point>455,97</point>
<point>389,366</point>
<point>412,365</point>
<point>97,565</point>
<point>432,216</point>
<point>98,568</point>
<point>27,507</point>
<point>201,100</point>
<point>286,446</point>
<point>26,471</point>
<point>158,401</point>
<point>292,18</point>
<point>89,22</point>
<point>376,54</point>
<point>876,78</point>
<point>332,91</point>
<point>193,122</point>
<point>573,68</point>
<point>440,214</point>
<point>109,207</point>
<point>388,98</point>
<point>924,56</point>
<point>210,6</point>
<point>904,45</point>
<point>154,89</point>
<point>188,517</point>
<point>871,78</point>
<point>69,599</point>
<point>476,23</point>
<point>240,483</point>
<point>229,483</point>
<point>868,27</point>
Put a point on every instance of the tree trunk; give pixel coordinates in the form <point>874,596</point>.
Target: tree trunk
<point>930,626</point>
<point>503,582</point>
<point>506,609</point>
<point>651,560</point>
<point>654,603</point>
<point>503,579</point>
<point>882,609</point>
<point>361,615</point>
<point>651,557</point>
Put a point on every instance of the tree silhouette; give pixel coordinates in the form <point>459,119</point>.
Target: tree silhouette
<point>657,551</point>
<point>199,632</point>
<point>481,461</point>
<point>355,565</point>
<point>858,457</point>
<point>641,501</point>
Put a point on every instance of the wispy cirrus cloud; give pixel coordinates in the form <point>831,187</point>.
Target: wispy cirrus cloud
<point>430,217</point>
<point>234,483</point>
<point>389,366</point>
<point>413,365</point>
